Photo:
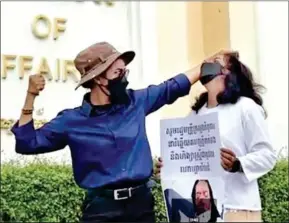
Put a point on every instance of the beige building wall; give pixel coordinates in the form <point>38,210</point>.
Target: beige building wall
<point>187,33</point>
<point>243,34</point>
<point>272,33</point>
<point>190,31</point>
<point>173,48</point>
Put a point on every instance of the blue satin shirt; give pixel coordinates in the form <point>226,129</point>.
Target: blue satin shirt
<point>108,146</point>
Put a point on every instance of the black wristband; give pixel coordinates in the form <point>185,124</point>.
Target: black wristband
<point>237,167</point>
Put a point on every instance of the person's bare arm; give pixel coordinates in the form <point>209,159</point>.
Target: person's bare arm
<point>193,74</point>
<point>29,102</point>
<point>36,84</point>
<point>48,138</point>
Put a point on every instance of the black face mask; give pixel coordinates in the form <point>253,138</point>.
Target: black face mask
<point>117,89</point>
<point>206,79</point>
<point>209,71</point>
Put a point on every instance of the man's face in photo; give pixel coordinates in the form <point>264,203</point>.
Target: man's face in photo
<point>203,198</point>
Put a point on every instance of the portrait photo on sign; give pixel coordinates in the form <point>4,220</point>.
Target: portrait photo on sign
<point>194,199</point>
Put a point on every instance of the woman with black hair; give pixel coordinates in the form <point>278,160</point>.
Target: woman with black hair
<point>247,152</point>
<point>203,202</point>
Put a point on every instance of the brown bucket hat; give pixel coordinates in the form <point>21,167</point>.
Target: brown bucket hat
<point>95,59</point>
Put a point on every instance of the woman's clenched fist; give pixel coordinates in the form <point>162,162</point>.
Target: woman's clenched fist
<point>36,84</point>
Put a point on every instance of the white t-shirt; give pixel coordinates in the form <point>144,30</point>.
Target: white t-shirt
<point>243,129</point>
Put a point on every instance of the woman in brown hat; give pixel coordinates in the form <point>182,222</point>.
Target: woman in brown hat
<point>110,151</point>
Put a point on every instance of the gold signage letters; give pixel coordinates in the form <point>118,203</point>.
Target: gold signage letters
<point>23,65</point>
<point>58,27</point>
<point>7,64</point>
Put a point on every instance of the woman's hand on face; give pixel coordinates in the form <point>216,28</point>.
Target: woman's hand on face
<point>195,73</point>
<point>158,167</point>
<point>228,157</point>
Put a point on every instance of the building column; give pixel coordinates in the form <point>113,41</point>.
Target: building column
<point>243,33</point>
<point>212,28</point>
<point>272,32</point>
<point>180,45</point>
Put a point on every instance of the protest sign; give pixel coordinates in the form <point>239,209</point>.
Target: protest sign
<point>192,181</point>
<point>191,146</point>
